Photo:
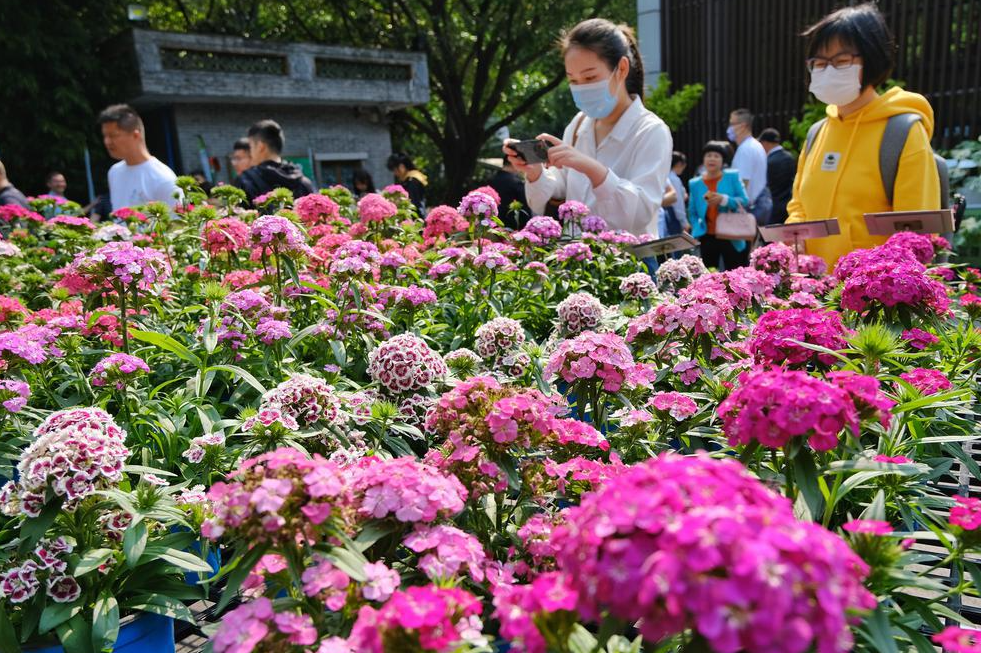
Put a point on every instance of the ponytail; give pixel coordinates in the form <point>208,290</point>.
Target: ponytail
<point>611,43</point>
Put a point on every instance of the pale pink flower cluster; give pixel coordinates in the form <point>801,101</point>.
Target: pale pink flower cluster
<point>572,211</point>
<point>544,227</point>
<point>121,263</point>
<point>681,542</point>
<point>638,286</point>
<point>253,623</point>
<point>574,252</point>
<point>427,618</point>
<point>375,208</point>
<point>689,315</point>
<point>14,394</point>
<point>404,363</point>
<point>75,453</point>
<point>477,205</point>
<point>406,489</point>
<point>305,398</point>
<point>447,550</point>
<point>443,221</point>
<point>117,370</point>
<point>673,275</point>
<point>603,358</point>
<point>579,312</point>
<point>774,258</point>
<point>675,404</point>
<point>279,234</point>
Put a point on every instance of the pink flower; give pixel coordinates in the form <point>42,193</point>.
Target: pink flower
<point>777,334</point>
<point>888,277</point>
<point>772,407</point>
<point>326,582</point>
<point>677,405</point>
<point>572,211</point>
<point>228,235</point>
<point>479,206</point>
<point>579,312</point>
<point>959,640</point>
<point>574,252</point>
<point>299,628</point>
<point>895,460</point>
<point>316,209</point>
<point>270,330</point>
<point>443,221</point>
<point>927,381</point>
<point>966,513</point>
<point>304,398</point>
<point>498,337</point>
<point>687,542</point>
<point>14,394</point>
<point>919,339</point>
<point>920,245</point>
<point>447,549</point>
<point>544,227</point>
<point>868,527</point>
<point>121,263</point>
<point>405,363</point>
<point>117,370</point>
<point>406,489</point>
<point>375,208</point>
<point>380,582</point>
<point>774,258</point>
<point>603,358</point>
<point>241,630</point>
<point>280,235</point>
<point>518,607</point>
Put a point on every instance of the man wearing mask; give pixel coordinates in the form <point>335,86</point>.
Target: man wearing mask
<point>137,178</point>
<point>750,161</point>
<point>780,171</point>
<point>269,171</point>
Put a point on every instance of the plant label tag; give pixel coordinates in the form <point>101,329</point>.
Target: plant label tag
<point>830,161</point>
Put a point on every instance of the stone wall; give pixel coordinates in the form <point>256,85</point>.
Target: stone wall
<point>324,129</point>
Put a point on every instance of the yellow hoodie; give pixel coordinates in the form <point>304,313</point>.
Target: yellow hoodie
<point>840,176</point>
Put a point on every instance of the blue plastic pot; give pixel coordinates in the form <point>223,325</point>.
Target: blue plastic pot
<point>147,633</point>
<point>213,560</point>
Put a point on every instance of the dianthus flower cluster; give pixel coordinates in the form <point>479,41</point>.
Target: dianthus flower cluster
<point>883,278</point>
<point>74,222</point>
<point>520,607</point>
<point>305,398</point>
<point>493,260</point>
<point>15,212</point>
<point>579,312</point>
<point>682,542</point>
<point>406,489</point>
<point>443,221</point>
<point>355,257</point>
<point>956,639</point>
<point>779,337</point>
<point>228,235</point>
<point>499,337</point>
<point>574,252</point>
<point>404,363</point>
<point>638,286</point>
<point>279,234</point>
<point>673,275</point>
<point>675,404</point>
<point>75,453</point>
<point>590,356</point>
<point>479,206</point>
<point>447,551</point>
<point>966,513</point>
<point>775,258</point>
<point>594,224</point>
<point>927,381</point>
<point>117,370</point>
<point>243,629</point>
<point>428,618</point>
<point>572,211</point>
<point>741,287</point>
<point>375,208</point>
<point>316,208</point>
<point>121,263</point>
<point>690,315</point>
<point>30,344</point>
<point>774,406</point>
<point>544,227</point>
<point>811,265</point>
<point>865,393</point>
<point>274,498</point>
<point>14,394</point>
<point>919,245</point>
<point>919,339</point>
<point>46,566</point>
<point>270,330</point>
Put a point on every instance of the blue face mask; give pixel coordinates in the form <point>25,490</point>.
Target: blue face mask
<point>594,99</point>
<point>731,133</point>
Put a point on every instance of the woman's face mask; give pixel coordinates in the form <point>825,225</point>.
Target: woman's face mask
<point>837,86</point>
<point>595,99</point>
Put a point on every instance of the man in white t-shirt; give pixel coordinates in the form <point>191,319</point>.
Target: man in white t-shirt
<point>750,161</point>
<point>138,177</point>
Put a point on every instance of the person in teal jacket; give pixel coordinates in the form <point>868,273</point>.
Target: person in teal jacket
<point>716,189</point>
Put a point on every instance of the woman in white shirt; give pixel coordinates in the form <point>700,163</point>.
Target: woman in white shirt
<point>615,155</point>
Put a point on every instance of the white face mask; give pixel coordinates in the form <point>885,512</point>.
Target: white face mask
<point>838,87</point>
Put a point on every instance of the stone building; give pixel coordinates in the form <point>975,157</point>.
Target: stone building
<point>198,93</point>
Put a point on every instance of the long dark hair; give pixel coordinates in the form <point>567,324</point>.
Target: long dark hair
<point>610,42</point>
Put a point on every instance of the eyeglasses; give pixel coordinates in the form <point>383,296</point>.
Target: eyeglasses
<point>838,62</point>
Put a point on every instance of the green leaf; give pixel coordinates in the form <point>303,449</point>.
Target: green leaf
<point>340,353</point>
<point>105,622</point>
<point>806,476</point>
<point>161,604</point>
<point>76,635</point>
<point>8,636</point>
<point>975,572</point>
<point>877,630</point>
<point>91,561</point>
<point>32,530</point>
<point>134,542</point>
<point>242,374</point>
<point>56,614</point>
<point>183,559</point>
<point>169,344</point>
<point>876,509</point>
<point>581,640</point>
<point>349,562</point>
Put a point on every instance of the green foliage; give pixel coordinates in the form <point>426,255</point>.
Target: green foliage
<point>673,108</point>
<point>964,176</point>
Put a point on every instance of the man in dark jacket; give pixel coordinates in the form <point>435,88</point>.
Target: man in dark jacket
<point>268,170</point>
<point>781,168</point>
<point>410,178</point>
<point>8,192</point>
<point>511,188</point>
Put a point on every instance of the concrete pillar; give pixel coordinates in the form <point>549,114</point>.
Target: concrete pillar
<point>649,38</point>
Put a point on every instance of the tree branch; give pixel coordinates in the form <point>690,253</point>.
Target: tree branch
<point>524,105</point>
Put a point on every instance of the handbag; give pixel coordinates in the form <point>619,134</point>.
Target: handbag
<point>735,225</point>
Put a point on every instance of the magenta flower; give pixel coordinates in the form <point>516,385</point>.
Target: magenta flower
<point>14,394</point>
<point>270,330</point>
<point>966,513</point>
<point>774,258</point>
<point>959,640</point>
<point>407,489</point>
<point>777,334</point>
<point>117,370</point>
<point>868,527</point>
<point>919,245</point>
<point>927,381</point>
<point>280,235</point>
<point>889,277</point>
<point>316,209</point>
<point>327,583</point>
<point>895,460</point>
<point>225,235</point>
<point>121,263</point>
<point>544,227</point>
<point>919,339</point>
<point>572,211</point>
<point>447,549</point>
<point>518,607</point>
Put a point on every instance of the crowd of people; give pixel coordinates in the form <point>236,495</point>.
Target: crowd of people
<point>616,156</point>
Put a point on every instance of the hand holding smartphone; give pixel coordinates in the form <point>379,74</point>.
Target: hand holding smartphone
<point>532,151</point>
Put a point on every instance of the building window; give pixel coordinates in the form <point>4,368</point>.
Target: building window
<point>329,68</point>
<point>222,62</point>
<point>338,172</point>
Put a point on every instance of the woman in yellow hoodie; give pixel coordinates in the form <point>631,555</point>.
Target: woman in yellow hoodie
<point>850,53</point>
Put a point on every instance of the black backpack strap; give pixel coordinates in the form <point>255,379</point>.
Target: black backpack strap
<point>812,134</point>
<point>891,149</point>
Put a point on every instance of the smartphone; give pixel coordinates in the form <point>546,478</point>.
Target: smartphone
<point>533,151</point>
